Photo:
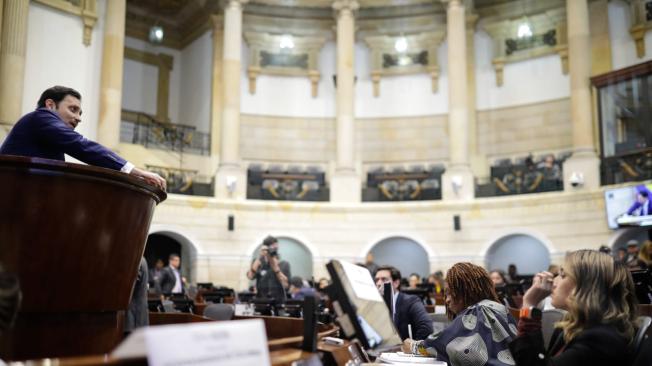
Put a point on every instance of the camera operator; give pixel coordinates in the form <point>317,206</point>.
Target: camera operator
<point>271,273</point>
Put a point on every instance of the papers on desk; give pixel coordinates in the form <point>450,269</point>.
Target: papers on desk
<point>400,358</point>
<point>234,343</point>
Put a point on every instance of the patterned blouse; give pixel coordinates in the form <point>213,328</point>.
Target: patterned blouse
<point>478,336</point>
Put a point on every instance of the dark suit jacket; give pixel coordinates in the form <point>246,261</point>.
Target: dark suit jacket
<point>410,310</point>
<point>597,346</point>
<point>167,280</point>
<point>637,205</point>
<point>42,134</point>
<point>137,314</point>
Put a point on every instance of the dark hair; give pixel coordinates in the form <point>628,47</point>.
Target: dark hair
<point>173,255</point>
<point>470,284</point>
<point>56,93</point>
<point>269,240</point>
<point>643,193</point>
<point>296,281</point>
<point>501,273</point>
<point>395,273</point>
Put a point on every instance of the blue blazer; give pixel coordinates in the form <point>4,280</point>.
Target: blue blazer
<point>637,205</point>
<point>410,310</point>
<point>43,134</point>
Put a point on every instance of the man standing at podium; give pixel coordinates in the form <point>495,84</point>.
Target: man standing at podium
<point>49,133</point>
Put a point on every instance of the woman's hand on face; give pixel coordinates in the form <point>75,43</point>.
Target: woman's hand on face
<point>541,288</point>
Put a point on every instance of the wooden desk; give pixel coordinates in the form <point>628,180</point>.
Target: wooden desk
<point>282,351</point>
<point>283,357</point>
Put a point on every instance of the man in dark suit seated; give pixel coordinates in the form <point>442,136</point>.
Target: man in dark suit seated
<point>49,133</point>
<point>171,281</point>
<point>643,205</point>
<point>408,309</point>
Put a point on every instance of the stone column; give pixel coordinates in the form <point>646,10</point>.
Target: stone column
<point>584,162</point>
<point>12,61</point>
<point>108,129</point>
<point>165,63</point>
<point>216,87</point>
<point>457,182</point>
<point>478,161</point>
<point>600,41</point>
<point>231,179</point>
<point>345,183</point>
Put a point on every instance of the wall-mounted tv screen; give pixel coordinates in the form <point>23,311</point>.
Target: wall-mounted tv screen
<point>629,206</point>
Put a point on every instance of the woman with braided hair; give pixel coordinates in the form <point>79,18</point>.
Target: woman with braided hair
<point>481,327</point>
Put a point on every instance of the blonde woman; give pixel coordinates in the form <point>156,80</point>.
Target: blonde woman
<point>599,326</point>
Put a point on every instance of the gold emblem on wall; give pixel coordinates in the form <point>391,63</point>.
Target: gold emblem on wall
<point>284,55</point>
<point>404,55</point>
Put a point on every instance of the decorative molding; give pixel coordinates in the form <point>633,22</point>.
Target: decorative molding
<point>421,57</point>
<point>549,37</point>
<point>267,57</point>
<point>164,63</point>
<point>85,9</point>
<point>641,24</point>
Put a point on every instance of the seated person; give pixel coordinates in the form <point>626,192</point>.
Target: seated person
<point>408,309</point>
<point>599,326</point>
<point>498,278</point>
<point>550,167</point>
<point>414,280</point>
<point>500,284</point>
<point>481,329</point>
<point>643,205</point>
<point>298,290</point>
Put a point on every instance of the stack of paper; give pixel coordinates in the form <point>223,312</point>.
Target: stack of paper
<point>401,358</point>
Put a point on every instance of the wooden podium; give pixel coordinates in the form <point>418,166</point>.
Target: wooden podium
<point>74,235</point>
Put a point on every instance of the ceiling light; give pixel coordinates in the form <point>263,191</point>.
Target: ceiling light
<point>287,42</point>
<point>401,45</point>
<point>524,30</point>
<point>156,34</point>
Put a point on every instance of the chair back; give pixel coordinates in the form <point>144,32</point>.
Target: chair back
<point>168,306</point>
<point>219,311</point>
<point>641,334</point>
<point>548,319</point>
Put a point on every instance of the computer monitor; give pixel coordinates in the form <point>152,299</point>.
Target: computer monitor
<point>643,283</point>
<point>361,311</point>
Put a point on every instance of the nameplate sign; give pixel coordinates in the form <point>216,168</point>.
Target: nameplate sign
<point>229,343</point>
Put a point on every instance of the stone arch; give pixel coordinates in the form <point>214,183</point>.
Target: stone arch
<point>530,252</point>
<point>402,252</point>
<point>295,251</point>
<point>189,250</point>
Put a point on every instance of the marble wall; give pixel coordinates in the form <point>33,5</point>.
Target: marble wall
<point>562,221</point>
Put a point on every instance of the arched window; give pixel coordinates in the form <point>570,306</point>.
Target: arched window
<point>163,243</point>
<point>528,253</point>
<point>296,254</point>
<point>405,254</point>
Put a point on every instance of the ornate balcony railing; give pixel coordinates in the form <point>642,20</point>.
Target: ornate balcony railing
<point>143,129</point>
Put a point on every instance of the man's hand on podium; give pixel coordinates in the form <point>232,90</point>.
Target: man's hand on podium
<point>149,177</point>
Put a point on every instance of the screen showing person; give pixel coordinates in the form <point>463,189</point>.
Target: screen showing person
<point>629,206</point>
